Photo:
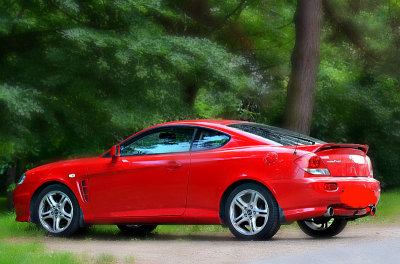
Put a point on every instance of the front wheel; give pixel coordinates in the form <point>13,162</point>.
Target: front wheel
<point>321,228</point>
<point>251,212</point>
<point>57,211</point>
<point>137,230</point>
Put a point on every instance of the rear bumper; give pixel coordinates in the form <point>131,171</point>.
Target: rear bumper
<point>307,198</point>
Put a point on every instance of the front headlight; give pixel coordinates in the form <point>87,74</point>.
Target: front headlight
<point>21,180</point>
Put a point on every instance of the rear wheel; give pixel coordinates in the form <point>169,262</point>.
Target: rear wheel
<point>322,227</point>
<point>137,230</point>
<point>251,212</point>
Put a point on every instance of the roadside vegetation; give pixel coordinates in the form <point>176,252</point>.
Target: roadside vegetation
<point>32,253</point>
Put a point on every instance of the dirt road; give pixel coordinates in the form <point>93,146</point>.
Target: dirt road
<point>288,245</point>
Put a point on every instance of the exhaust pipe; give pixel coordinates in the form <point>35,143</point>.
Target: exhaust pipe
<point>329,212</point>
<point>372,210</point>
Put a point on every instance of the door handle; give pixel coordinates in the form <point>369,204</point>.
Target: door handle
<point>173,165</point>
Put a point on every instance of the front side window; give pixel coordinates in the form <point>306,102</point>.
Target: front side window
<point>209,139</point>
<point>166,140</point>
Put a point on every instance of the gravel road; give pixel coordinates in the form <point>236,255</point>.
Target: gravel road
<point>358,243</point>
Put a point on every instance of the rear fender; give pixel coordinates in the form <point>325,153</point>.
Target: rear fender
<point>230,187</point>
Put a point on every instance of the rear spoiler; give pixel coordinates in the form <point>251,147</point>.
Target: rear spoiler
<point>363,148</point>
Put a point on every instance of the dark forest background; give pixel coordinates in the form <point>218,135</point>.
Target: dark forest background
<point>76,77</point>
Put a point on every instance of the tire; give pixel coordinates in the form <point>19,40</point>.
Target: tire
<point>137,230</point>
<point>256,219</point>
<point>320,229</point>
<point>57,211</point>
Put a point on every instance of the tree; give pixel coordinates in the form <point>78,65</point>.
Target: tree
<point>78,76</point>
<point>305,60</point>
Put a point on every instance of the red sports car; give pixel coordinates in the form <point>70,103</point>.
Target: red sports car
<point>247,176</point>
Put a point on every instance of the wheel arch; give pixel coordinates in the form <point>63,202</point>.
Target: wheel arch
<point>41,188</point>
<point>235,184</point>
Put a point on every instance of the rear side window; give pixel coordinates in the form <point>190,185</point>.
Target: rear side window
<point>275,134</point>
<point>209,139</point>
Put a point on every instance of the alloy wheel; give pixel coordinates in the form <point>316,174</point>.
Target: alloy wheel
<point>249,212</point>
<point>55,211</point>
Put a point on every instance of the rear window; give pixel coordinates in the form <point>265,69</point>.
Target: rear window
<point>279,135</point>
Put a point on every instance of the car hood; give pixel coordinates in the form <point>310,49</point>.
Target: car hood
<point>82,163</point>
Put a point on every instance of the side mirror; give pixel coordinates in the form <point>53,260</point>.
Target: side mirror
<point>114,153</point>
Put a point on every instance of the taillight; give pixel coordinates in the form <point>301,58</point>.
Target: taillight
<point>371,171</point>
<point>312,164</point>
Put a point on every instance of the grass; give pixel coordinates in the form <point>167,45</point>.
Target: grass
<point>32,253</point>
<point>110,231</point>
<point>389,205</point>
<point>105,259</point>
<point>21,253</point>
<point>130,260</point>
<point>190,228</point>
<point>10,228</point>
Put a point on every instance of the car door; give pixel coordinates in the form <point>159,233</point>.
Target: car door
<point>210,165</point>
<point>149,178</point>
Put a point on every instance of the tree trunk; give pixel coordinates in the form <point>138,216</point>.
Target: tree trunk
<point>305,60</point>
<point>11,176</point>
<point>191,94</point>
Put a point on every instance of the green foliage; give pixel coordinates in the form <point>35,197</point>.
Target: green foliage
<point>11,187</point>
<point>78,76</point>
<point>358,96</point>
<point>356,108</point>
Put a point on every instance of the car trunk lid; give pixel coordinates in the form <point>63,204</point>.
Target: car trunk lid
<point>347,160</point>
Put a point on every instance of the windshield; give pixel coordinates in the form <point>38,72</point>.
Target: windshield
<point>279,135</point>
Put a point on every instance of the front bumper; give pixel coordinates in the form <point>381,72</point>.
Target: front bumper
<point>22,198</point>
<point>307,197</point>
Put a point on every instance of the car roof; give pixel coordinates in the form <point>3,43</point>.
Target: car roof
<point>219,124</point>
<point>204,122</point>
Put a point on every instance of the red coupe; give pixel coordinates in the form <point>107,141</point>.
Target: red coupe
<point>247,176</point>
